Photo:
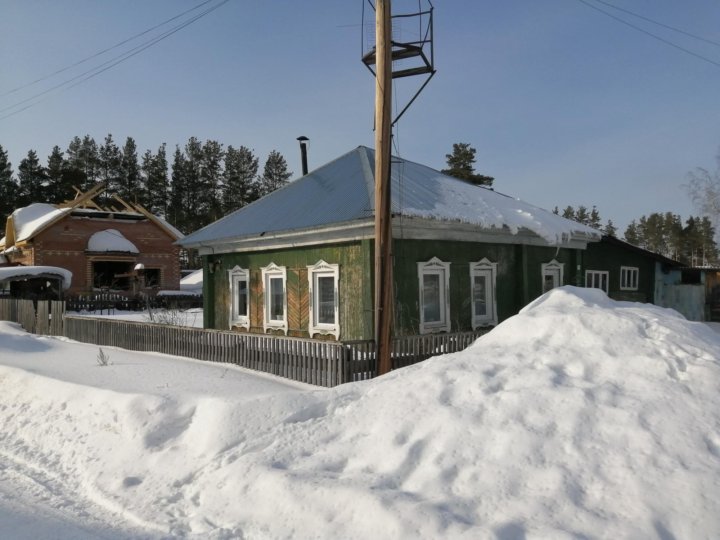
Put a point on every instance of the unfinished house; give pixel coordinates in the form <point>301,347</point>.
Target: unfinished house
<point>113,246</point>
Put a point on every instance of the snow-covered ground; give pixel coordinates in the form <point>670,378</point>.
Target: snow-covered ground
<point>578,418</point>
<point>178,317</point>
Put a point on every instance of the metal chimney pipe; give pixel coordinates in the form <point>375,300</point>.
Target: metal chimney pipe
<point>303,153</point>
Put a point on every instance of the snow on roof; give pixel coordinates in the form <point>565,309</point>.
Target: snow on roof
<point>170,228</point>
<point>18,272</point>
<point>192,281</point>
<point>343,190</point>
<point>427,193</point>
<point>29,219</point>
<point>110,240</point>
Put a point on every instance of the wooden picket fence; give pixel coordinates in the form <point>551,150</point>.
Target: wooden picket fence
<point>43,317</point>
<point>322,363</point>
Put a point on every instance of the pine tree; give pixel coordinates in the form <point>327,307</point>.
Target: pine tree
<point>582,215</point>
<point>569,213</point>
<point>240,178</point>
<point>632,234</point>
<point>594,220</point>
<point>32,179</point>
<point>211,173</point>
<point>193,206</point>
<point>709,247</point>
<point>674,235</point>
<point>692,244</point>
<point>179,193</point>
<point>610,229</point>
<point>109,167</point>
<point>154,168</point>
<point>89,161</point>
<point>75,165</point>
<point>8,189</point>
<point>275,173</point>
<point>461,165</point>
<point>130,187</point>
<point>56,169</point>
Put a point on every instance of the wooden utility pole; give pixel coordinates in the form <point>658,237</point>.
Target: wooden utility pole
<point>383,230</point>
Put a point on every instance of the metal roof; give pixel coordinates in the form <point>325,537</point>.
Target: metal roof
<point>343,191</point>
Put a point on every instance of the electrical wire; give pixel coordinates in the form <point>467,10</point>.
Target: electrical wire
<point>659,38</point>
<point>99,53</point>
<point>94,72</point>
<point>673,28</point>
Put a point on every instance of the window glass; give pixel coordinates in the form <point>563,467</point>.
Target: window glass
<point>480,294</point>
<point>323,314</point>
<point>551,279</point>
<point>242,297</point>
<point>431,298</point>
<point>326,300</point>
<point>276,299</point>
<point>629,278</point>
<point>597,279</point>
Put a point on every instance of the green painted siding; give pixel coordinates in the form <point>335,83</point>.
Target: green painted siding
<point>519,281</point>
<point>354,288</point>
<point>519,277</point>
<point>610,257</point>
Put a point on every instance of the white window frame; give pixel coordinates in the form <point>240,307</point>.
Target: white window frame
<point>235,276</point>
<point>435,267</point>
<point>318,270</point>
<point>629,278</point>
<point>592,274</point>
<point>549,269</point>
<point>487,269</point>
<point>273,271</point>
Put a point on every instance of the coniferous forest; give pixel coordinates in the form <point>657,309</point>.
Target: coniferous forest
<point>190,187</point>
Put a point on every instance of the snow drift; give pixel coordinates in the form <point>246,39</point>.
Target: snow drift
<point>580,417</point>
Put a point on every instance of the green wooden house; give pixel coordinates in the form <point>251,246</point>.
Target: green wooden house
<point>299,261</point>
<point>630,273</point>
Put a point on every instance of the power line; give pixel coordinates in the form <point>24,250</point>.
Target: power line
<point>673,28</point>
<point>659,38</point>
<point>99,53</point>
<point>97,70</point>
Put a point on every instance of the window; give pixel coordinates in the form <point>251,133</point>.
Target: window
<point>240,297</point>
<point>597,279</point>
<point>434,280</point>
<point>323,281</point>
<point>552,275</point>
<point>629,278</point>
<point>482,291</point>
<point>275,305</point>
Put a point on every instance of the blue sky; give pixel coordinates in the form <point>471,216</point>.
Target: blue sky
<point>563,104</point>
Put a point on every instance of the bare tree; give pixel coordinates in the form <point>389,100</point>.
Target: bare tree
<point>703,188</point>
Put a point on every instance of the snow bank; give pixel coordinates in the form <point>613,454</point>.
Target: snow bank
<point>578,418</point>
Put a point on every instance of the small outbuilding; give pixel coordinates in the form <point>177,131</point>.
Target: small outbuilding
<point>34,282</point>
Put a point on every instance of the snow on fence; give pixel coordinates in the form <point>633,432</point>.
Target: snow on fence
<point>322,363</point>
